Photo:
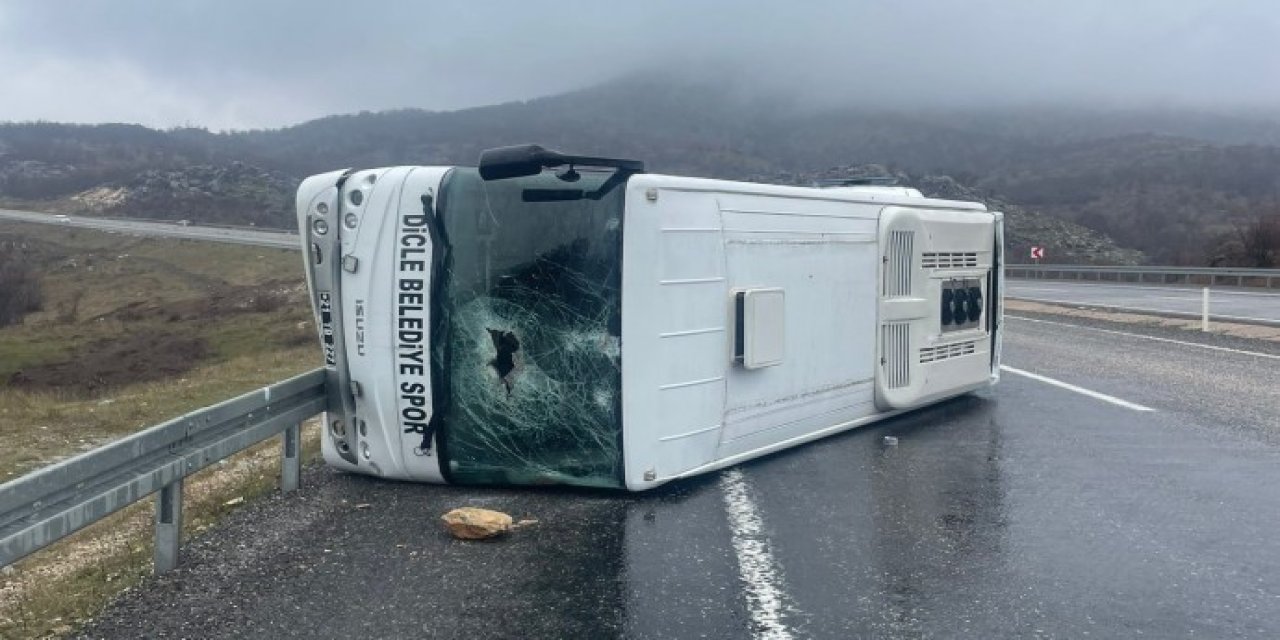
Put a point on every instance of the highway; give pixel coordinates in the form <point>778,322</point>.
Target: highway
<point>279,239</point>
<point>1225,303</point>
<point>1118,482</point>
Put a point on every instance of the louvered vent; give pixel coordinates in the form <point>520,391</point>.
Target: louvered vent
<point>895,349</point>
<point>897,264</point>
<point>955,350</point>
<point>954,260</point>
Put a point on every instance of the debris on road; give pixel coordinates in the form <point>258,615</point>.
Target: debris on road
<point>234,501</point>
<point>890,441</point>
<point>474,523</point>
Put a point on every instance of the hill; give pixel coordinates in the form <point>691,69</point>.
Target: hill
<point>1180,187</point>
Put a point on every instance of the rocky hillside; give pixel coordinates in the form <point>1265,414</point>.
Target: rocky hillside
<point>1066,242</point>
<point>233,193</point>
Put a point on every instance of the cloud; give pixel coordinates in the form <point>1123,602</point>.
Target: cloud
<point>238,64</point>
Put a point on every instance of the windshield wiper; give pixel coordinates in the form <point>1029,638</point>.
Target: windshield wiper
<point>552,195</point>
<point>566,195</point>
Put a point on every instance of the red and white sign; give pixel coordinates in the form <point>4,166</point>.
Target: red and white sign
<point>1037,253</point>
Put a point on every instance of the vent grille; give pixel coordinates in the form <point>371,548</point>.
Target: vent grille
<point>897,264</point>
<point>943,352</point>
<point>895,349</point>
<point>954,260</point>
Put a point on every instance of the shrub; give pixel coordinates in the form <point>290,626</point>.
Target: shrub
<point>20,291</point>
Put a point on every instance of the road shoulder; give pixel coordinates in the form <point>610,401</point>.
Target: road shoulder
<point>1243,335</point>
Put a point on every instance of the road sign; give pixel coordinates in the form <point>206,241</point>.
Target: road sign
<point>1037,253</point>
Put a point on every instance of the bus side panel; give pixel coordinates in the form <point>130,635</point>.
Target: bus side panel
<point>674,333</point>
<point>823,256</point>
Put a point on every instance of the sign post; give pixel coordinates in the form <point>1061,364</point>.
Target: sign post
<point>1204,310</point>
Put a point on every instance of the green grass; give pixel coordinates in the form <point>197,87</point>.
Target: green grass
<point>106,272</point>
<point>50,425</point>
<point>20,349</point>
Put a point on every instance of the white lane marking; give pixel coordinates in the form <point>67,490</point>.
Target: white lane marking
<point>756,565</point>
<point>1081,390</point>
<point>1080,303</point>
<point>1139,335</point>
<point>1086,283</point>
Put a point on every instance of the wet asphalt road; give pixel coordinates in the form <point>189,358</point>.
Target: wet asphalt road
<point>1028,511</point>
<point>1225,303</point>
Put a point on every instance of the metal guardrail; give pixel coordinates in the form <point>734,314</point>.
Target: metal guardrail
<point>1162,275</point>
<point>51,503</point>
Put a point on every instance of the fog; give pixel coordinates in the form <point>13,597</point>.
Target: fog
<point>238,64</point>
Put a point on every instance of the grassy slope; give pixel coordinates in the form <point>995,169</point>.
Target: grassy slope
<point>244,306</point>
<point>247,309</point>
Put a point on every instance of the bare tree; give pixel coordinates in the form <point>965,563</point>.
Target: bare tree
<point>1252,241</point>
<point>20,291</point>
<point>1260,241</point>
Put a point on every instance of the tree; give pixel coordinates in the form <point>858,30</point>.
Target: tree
<point>1252,242</point>
<point>20,291</point>
<point>1260,241</point>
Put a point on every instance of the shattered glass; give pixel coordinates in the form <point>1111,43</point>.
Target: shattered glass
<point>530,347</point>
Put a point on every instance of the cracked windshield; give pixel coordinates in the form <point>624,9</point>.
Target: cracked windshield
<point>531,358</point>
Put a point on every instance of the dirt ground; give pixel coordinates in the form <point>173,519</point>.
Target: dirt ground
<point>103,364</point>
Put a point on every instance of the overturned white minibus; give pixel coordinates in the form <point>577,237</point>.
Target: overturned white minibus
<point>556,319</point>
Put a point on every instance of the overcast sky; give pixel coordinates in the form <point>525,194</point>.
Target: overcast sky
<point>248,64</point>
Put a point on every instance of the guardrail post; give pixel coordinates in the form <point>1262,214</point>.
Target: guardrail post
<point>1204,311</point>
<point>290,458</point>
<point>168,526</point>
